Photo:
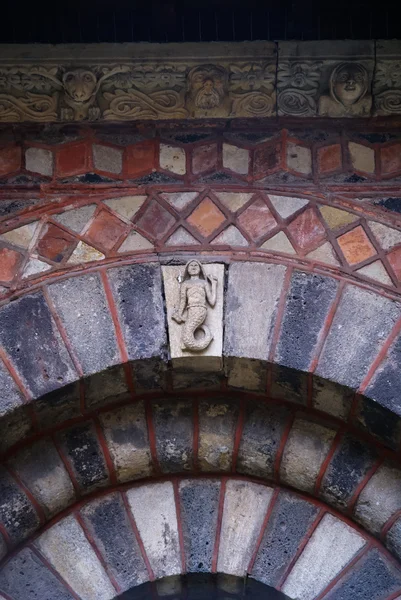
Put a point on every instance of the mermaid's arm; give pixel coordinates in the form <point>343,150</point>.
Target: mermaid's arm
<point>211,290</point>
<point>178,315</point>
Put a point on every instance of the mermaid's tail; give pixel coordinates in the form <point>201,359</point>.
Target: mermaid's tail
<point>194,321</point>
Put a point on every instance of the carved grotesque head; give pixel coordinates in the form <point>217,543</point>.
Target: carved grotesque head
<point>207,86</point>
<point>80,84</point>
<point>349,83</point>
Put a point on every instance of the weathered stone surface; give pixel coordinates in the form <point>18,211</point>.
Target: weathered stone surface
<point>246,373</point>
<point>379,422</point>
<point>374,577</point>
<point>17,514</point>
<point>211,357</point>
<point>289,384</point>
<point>385,386</point>
<point>15,426</point>
<point>331,398</point>
<point>66,548</point>
<point>348,467</point>
<point>332,545</point>
<point>306,448</point>
<point>88,325</point>
<point>126,433</point>
<point>43,472</point>
<point>137,290</point>
<point>379,499</point>
<point>3,547</point>
<point>30,336</point>
<point>10,396</point>
<point>26,574</point>
<point>245,507</point>
<point>199,509</point>
<point>106,158</point>
<point>308,302</point>
<point>58,406</point>
<point>39,160</point>
<point>251,302</point>
<point>289,522</point>
<point>351,346</point>
<point>262,432</point>
<point>393,539</point>
<point>77,218</point>
<point>154,511</point>
<point>108,523</point>
<point>82,447</point>
<point>173,422</point>
<point>217,423</point>
<point>106,387</point>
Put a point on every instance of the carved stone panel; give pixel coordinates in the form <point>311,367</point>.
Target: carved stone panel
<point>194,298</point>
<point>387,81</point>
<point>326,79</point>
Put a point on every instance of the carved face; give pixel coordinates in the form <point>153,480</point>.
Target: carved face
<point>80,84</point>
<point>193,268</point>
<point>207,86</point>
<point>349,83</point>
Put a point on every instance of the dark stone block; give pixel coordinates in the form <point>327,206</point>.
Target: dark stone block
<point>82,447</point>
<point>109,524</point>
<point>138,292</point>
<point>393,539</point>
<point>199,501</point>
<point>308,302</point>
<point>9,207</point>
<point>58,406</point>
<point>289,522</point>
<point>15,427</point>
<point>393,204</point>
<point>173,423</point>
<point>25,576</point>
<point>351,345</point>
<point>149,375</point>
<point>349,465</point>
<point>31,338</point>
<point>379,421</point>
<point>289,384</point>
<point>263,429</point>
<point>88,324</point>
<point>17,514</point>
<point>105,388</point>
<point>385,386</point>
<point>373,578</point>
<point>10,396</point>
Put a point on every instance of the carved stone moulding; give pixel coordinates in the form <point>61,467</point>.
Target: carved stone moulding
<point>326,79</point>
<point>387,83</point>
<point>137,81</point>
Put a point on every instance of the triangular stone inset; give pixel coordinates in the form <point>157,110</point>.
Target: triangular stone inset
<point>180,200</point>
<point>234,200</point>
<point>386,236</point>
<point>336,218</point>
<point>77,218</point>
<point>230,237</point>
<point>324,254</point>
<point>34,267</point>
<point>287,205</point>
<point>84,253</point>
<point>135,241</point>
<point>181,237</point>
<point>127,206</point>
<point>279,243</point>
<point>22,236</point>
<point>377,272</point>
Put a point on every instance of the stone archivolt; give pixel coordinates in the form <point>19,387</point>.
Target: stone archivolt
<point>330,79</point>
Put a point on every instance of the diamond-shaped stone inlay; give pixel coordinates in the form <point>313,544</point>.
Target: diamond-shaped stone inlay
<point>10,261</point>
<point>76,219</point>
<point>287,206</point>
<point>106,230</point>
<point>306,230</point>
<point>362,157</point>
<point>337,218</point>
<point>390,159</point>
<point>127,206</point>
<point>156,220</point>
<point>257,220</point>
<point>22,236</point>
<point>206,217</point>
<point>230,237</point>
<point>356,246</point>
<point>55,244</point>
<point>377,272</point>
<point>279,243</point>
<point>204,158</point>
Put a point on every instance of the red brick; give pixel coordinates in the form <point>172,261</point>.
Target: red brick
<point>257,220</point>
<point>141,158</point>
<point>156,220</point>
<point>55,244</point>
<point>9,263</point>
<point>10,160</point>
<point>356,246</point>
<point>394,258</point>
<point>307,230</point>
<point>391,159</point>
<point>329,158</point>
<point>106,230</point>
<point>204,158</point>
<point>206,217</point>
<point>73,160</point>
<point>266,159</point>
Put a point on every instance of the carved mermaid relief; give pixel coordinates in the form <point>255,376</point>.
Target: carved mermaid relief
<point>197,290</point>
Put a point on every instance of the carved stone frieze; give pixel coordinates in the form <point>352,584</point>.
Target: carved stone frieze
<point>387,83</point>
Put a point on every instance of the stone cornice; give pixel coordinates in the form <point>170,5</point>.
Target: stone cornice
<point>128,82</point>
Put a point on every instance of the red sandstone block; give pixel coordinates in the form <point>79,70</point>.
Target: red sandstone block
<point>265,159</point>
<point>394,258</point>
<point>10,160</point>
<point>73,159</point>
<point>391,159</point>
<point>257,220</point>
<point>55,244</point>
<point>106,230</point>
<point>140,158</point>
<point>206,217</point>
<point>307,230</point>
<point>356,246</point>
<point>156,220</point>
<point>9,263</point>
<point>329,158</point>
<point>204,158</point>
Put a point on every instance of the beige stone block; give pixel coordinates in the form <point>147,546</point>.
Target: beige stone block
<point>84,253</point>
<point>299,158</point>
<point>67,549</point>
<point>127,206</point>
<point>22,236</point>
<point>362,157</point>
<point>172,159</point>
<point>331,547</point>
<point>305,451</point>
<point>211,357</point>
<point>236,159</point>
<point>153,507</point>
<point>245,507</point>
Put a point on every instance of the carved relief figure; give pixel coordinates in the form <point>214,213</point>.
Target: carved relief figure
<point>197,290</point>
<point>348,97</point>
<point>207,93</point>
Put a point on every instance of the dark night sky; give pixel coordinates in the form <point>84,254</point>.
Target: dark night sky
<point>195,20</point>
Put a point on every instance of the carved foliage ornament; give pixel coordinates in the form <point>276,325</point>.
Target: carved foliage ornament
<point>197,291</point>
